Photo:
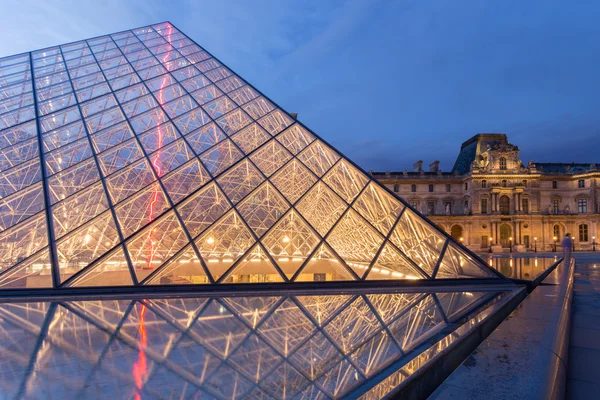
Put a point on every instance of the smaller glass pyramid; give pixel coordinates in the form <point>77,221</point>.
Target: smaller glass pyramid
<point>138,158</point>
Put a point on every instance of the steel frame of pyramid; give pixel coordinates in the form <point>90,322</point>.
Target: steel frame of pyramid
<point>139,159</point>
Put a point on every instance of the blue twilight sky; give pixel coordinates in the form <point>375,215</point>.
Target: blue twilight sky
<point>386,82</point>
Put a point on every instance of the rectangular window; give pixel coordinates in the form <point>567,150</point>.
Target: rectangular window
<point>466,185</point>
<point>431,208</point>
<point>525,206</point>
<point>396,187</point>
<point>484,206</point>
<point>581,183</point>
<point>583,233</point>
<point>414,204</point>
<point>448,188</point>
<point>483,184</point>
<point>484,241</point>
<point>554,185</point>
<point>526,241</point>
<point>555,206</point>
<point>430,188</point>
<point>581,206</point>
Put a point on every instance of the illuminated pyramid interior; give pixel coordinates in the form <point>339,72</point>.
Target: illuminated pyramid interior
<point>139,159</point>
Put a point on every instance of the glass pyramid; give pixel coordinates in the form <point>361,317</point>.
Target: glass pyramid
<point>140,159</point>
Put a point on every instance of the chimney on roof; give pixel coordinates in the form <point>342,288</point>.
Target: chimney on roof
<point>418,166</point>
<point>434,166</point>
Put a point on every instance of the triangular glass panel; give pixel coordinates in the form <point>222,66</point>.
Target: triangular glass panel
<point>355,241</point>
<point>234,121</point>
<point>316,356</point>
<point>185,179</point>
<point>321,308</point>
<point>240,180</point>
<point>184,269</point>
<point>141,208</point>
<point>293,180</point>
<point>378,207</point>
<point>454,303</point>
<point>76,210</point>
<point>218,329</point>
<point>376,353</point>
<point>205,137</point>
<point>224,243</point>
<point>21,205</point>
<point>391,305</point>
<point>418,241</point>
<point>22,240</point>
<point>392,265</point>
<point>243,95</point>
<point>150,248</point>
<point>318,157</point>
<point>252,309</point>
<point>34,272</point>
<point>276,121</point>
<point>129,180</point>
<point>339,379</point>
<point>321,208</point>
<point>418,324</point>
<point>295,138</point>
<point>255,348</point>
<point>346,180</point>
<point>457,264</point>
<point>290,242</point>
<point>287,327</point>
<point>84,245</point>
<point>258,108</point>
<point>270,157</point>
<point>203,208</point>
<point>219,107</point>
<point>355,324</point>
<point>113,270</point>
<point>255,267</point>
<point>286,383</point>
<point>262,208</point>
<point>324,266</point>
<point>250,138</point>
<point>220,157</point>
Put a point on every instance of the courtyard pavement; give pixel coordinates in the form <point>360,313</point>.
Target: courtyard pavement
<point>583,371</point>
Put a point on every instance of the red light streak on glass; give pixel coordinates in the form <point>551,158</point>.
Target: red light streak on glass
<point>140,367</point>
<point>156,161</point>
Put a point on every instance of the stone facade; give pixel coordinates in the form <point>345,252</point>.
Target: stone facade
<point>491,199</point>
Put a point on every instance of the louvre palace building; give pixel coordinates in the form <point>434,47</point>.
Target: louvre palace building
<point>491,200</point>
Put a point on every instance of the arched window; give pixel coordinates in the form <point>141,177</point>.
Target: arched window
<point>483,184</point>
<point>503,182</point>
<point>583,233</point>
<point>556,231</point>
<point>502,163</point>
<point>396,187</point>
<point>504,205</point>
<point>431,188</point>
<point>456,232</point>
<point>413,188</point>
